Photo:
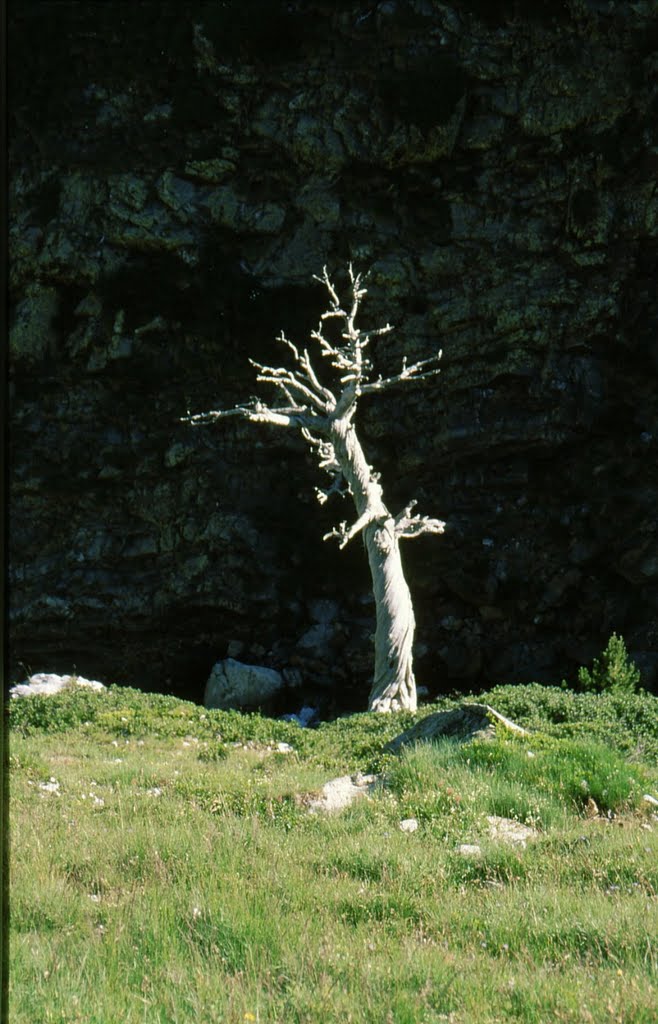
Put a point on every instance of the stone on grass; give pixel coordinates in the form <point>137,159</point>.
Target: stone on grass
<point>232,684</point>
<point>49,683</point>
<point>469,850</point>
<point>52,786</point>
<point>501,830</point>
<point>466,722</point>
<point>509,831</point>
<point>409,825</point>
<point>340,793</point>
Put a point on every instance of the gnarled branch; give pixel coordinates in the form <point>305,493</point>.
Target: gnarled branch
<point>345,533</point>
<point>288,381</point>
<point>257,412</point>
<point>407,373</point>
<point>406,525</point>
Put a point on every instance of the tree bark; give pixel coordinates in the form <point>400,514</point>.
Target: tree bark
<point>393,686</point>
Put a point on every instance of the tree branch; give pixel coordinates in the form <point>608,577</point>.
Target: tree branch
<point>306,365</point>
<point>288,380</point>
<point>256,412</point>
<point>324,493</point>
<point>348,359</point>
<point>326,460</point>
<point>325,450</point>
<point>304,361</point>
<point>345,535</point>
<point>406,525</point>
<point>407,373</point>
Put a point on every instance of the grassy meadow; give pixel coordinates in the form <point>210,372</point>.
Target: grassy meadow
<point>166,869</point>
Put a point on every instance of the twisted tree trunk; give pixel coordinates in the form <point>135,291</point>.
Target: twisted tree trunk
<point>393,685</point>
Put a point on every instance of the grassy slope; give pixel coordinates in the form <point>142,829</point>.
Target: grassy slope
<point>168,873</point>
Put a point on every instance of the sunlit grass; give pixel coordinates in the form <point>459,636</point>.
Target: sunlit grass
<point>155,879</point>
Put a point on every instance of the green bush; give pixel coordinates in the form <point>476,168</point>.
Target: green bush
<point>124,711</point>
<point>613,671</point>
<point>626,721</point>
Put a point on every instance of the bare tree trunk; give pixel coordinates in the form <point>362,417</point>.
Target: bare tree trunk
<point>393,687</point>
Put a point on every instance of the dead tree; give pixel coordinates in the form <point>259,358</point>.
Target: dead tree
<point>325,418</point>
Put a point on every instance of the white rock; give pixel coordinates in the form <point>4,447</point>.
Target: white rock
<point>52,786</point>
<point>507,830</point>
<point>409,825</point>
<point>49,683</point>
<point>650,799</point>
<point>232,684</point>
<point>469,850</point>
<point>342,792</point>
<point>304,717</point>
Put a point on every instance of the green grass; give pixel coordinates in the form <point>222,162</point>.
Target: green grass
<point>171,873</point>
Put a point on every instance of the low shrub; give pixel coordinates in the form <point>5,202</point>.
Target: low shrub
<point>626,721</point>
<point>613,671</point>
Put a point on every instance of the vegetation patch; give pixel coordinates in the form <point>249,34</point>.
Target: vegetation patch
<point>164,865</point>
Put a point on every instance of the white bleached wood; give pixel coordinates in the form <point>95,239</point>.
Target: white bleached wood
<point>324,417</point>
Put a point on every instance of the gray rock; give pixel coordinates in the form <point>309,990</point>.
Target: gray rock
<point>467,722</point>
<point>232,684</point>
<point>32,334</point>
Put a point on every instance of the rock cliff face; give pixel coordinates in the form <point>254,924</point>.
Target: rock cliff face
<point>177,177</point>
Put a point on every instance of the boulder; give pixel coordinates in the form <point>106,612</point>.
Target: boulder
<point>466,722</point>
<point>49,683</point>
<point>232,684</point>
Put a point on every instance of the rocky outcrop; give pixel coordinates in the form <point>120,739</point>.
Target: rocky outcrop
<point>174,183</point>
